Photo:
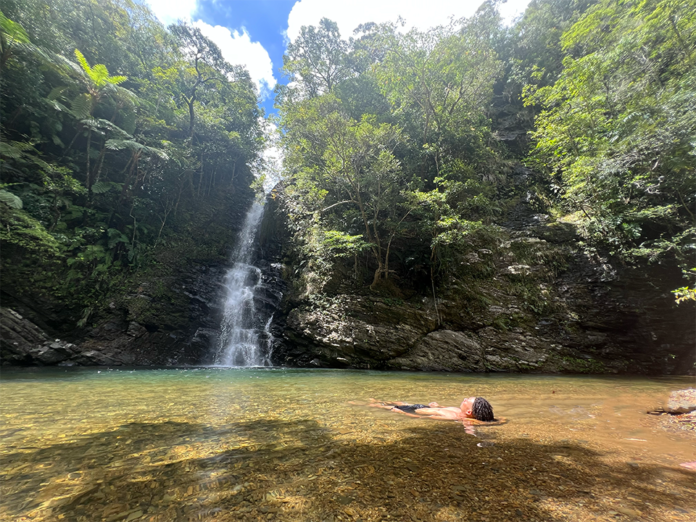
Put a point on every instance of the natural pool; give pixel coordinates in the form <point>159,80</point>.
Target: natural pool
<point>277,444</point>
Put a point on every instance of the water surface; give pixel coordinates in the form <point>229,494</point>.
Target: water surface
<point>246,444</point>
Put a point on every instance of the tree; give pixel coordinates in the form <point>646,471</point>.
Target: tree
<point>318,59</point>
<point>345,171</point>
<point>204,65</point>
<point>617,127</point>
<point>99,84</point>
<point>150,179</point>
<point>388,144</point>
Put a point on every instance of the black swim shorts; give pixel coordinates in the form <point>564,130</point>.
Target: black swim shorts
<point>410,408</point>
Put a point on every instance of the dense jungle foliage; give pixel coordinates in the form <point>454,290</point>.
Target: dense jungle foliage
<point>117,136</point>
<point>400,147</point>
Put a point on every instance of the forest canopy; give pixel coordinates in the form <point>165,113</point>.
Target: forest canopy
<point>116,133</point>
<point>402,146</point>
<point>403,150</point>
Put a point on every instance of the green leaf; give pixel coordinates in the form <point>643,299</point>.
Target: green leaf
<point>56,92</point>
<point>10,151</point>
<point>13,31</point>
<point>116,237</point>
<point>83,63</point>
<point>10,199</point>
<point>81,106</point>
<point>101,187</point>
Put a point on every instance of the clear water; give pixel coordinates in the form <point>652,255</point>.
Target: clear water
<point>279,444</point>
<point>240,342</point>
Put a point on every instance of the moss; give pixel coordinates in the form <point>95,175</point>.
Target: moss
<point>22,231</point>
<point>576,365</point>
<point>393,301</point>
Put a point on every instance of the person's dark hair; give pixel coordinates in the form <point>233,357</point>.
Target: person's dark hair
<point>482,410</point>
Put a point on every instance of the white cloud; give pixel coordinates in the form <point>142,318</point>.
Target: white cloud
<point>238,49</point>
<point>169,11</point>
<point>420,14</point>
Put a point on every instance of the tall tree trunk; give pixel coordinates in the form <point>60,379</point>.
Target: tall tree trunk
<point>134,164</point>
<point>192,116</point>
<point>200,178</point>
<point>378,273</point>
<point>89,146</point>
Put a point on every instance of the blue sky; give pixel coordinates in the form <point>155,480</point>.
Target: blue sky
<point>255,33</point>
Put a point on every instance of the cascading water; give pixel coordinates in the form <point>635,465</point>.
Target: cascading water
<point>243,341</point>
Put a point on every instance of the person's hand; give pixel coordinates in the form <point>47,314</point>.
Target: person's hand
<point>433,405</point>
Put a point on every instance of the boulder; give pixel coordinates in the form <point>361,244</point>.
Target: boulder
<point>443,350</point>
<point>19,338</point>
<point>681,401</point>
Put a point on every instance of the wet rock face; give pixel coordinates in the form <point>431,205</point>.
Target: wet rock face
<point>355,331</point>
<point>150,327</point>
<point>533,302</point>
<point>444,350</point>
<point>178,326</point>
<point>594,330</point>
<point>24,343</point>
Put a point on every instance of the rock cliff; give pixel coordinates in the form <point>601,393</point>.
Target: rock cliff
<point>534,300</point>
<point>165,313</point>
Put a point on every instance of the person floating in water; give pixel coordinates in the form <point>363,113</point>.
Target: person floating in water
<point>476,408</point>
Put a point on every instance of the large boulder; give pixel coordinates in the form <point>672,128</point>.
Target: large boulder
<point>444,350</point>
<point>24,343</point>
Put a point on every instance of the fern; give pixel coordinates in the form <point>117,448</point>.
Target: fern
<point>10,199</point>
<point>129,122</point>
<point>59,106</point>
<point>100,125</point>
<point>56,92</point>
<point>83,63</point>
<point>116,80</point>
<point>13,31</point>
<point>135,146</point>
<point>99,74</point>
<point>101,187</point>
<point>81,106</point>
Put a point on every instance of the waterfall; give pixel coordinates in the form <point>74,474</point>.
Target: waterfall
<point>244,340</point>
